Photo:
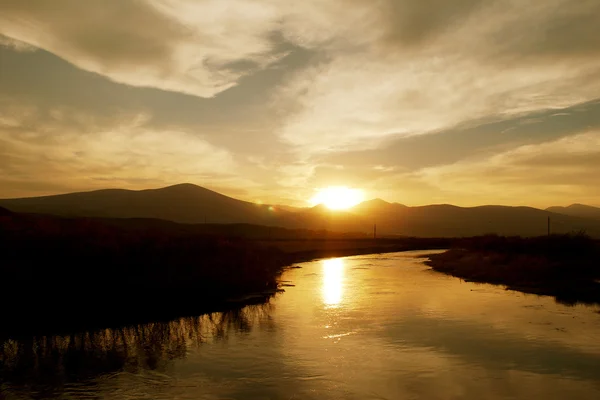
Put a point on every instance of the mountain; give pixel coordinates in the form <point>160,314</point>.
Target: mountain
<point>4,212</point>
<point>444,220</point>
<point>379,210</point>
<point>186,203</point>
<point>376,207</point>
<point>577,210</point>
<point>448,220</point>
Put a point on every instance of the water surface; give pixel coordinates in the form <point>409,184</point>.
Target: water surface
<point>364,327</point>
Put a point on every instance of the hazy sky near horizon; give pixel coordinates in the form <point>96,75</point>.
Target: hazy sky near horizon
<point>416,101</point>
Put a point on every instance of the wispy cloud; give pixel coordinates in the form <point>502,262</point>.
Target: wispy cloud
<point>424,71</point>
<point>416,100</point>
<point>563,171</point>
<point>175,45</point>
<point>15,44</point>
<point>121,153</point>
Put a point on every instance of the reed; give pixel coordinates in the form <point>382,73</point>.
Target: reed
<point>565,266</point>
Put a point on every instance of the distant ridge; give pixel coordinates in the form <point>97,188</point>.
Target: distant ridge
<point>192,204</point>
<point>577,210</point>
<point>4,211</point>
<point>186,203</point>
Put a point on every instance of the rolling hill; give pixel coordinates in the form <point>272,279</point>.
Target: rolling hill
<point>191,204</point>
<point>577,210</point>
<point>4,211</point>
<point>447,220</point>
<point>185,203</point>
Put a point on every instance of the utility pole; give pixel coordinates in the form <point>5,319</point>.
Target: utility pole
<point>548,225</point>
<point>374,231</point>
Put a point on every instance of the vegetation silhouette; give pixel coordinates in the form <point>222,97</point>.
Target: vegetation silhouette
<point>564,266</point>
<point>61,274</point>
<point>63,271</point>
<point>44,365</point>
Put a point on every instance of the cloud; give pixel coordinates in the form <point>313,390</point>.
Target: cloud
<point>473,139</point>
<point>411,23</point>
<point>237,119</point>
<point>14,44</point>
<point>178,45</point>
<point>123,153</point>
<point>557,29</point>
<point>268,96</point>
<point>195,47</point>
<point>44,98</point>
<point>557,171</point>
<point>563,170</point>
<point>409,66</point>
<point>423,72</point>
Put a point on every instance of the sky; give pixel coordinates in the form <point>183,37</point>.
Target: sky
<point>465,102</point>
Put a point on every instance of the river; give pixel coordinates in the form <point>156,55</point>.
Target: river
<point>380,326</point>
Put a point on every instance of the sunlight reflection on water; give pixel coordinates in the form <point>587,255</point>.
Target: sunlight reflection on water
<point>333,281</point>
<point>364,327</point>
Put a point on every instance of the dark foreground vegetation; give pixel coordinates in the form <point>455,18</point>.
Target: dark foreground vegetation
<point>65,272</point>
<point>42,366</point>
<point>59,274</point>
<point>564,266</point>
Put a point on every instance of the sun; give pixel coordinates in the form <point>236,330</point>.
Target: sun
<point>337,197</point>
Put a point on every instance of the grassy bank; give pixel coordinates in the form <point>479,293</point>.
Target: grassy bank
<point>45,364</point>
<point>564,266</point>
<point>59,273</point>
<point>65,273</point>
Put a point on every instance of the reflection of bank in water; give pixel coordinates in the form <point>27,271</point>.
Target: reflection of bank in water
<point>51,361</point>
<point>333,281</point>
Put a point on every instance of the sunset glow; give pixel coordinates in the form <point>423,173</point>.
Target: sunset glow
<point>465,102</point>
<point>319,199</point>
<point>333,277</point>
<point>338,197</point>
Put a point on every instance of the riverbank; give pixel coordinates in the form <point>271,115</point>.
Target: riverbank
<point>61,274</point>
<point>311,249</point>
<point>564,266</point>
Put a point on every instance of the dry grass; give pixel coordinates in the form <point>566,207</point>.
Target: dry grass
<point>566,266</point>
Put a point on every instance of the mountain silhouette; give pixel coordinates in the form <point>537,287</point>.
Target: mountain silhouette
<point>447,220</point>
<point>4,211</point>
<point>191,204</point>
<point>577,210</point>
<point>185,203</point>
<point>375,206</point>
